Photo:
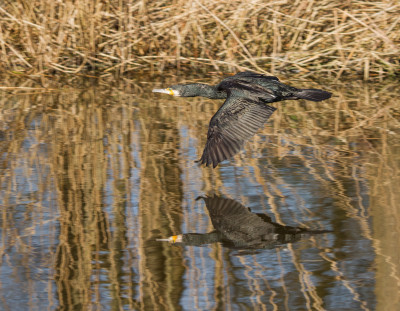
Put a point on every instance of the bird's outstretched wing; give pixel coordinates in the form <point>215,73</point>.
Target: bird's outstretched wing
<point>238,119</point>
<point>250,87</point>
<point>246,75</point>
<point>232,215</point>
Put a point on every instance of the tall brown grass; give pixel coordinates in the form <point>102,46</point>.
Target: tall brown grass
<point>331,38</point>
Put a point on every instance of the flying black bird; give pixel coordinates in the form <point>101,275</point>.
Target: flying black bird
<point>244,110</point>
<point>237,226</point>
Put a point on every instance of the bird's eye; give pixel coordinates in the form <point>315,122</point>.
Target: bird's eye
<point>171,91</point>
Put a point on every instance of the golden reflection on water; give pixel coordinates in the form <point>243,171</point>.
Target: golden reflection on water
<point>90,178</point>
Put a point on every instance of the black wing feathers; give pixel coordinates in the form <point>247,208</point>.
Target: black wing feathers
<point>234,123</point>
<point>230,215</point>
<point>314,95</point>
<point>247,89</point>
<point>245,111</point>
<point>250,75</point>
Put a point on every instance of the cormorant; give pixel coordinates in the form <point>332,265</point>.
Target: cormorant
<point>244,110</point>
<point>237,226</point>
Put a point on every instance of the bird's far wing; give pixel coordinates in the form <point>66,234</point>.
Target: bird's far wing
<point>238,119</point>
<point>222,207</point>
<point>225,210</point>
<point>248,87</point>
<point>254,75</point>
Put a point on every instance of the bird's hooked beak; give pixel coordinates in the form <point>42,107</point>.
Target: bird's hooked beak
<point>167,91</point>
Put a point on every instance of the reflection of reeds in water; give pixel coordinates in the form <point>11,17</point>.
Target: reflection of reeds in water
<point>385,198</point>
<point>355,122</point>
<point>79,165</point>
<point>115,169</point>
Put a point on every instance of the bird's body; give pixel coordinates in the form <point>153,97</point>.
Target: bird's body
<point>244,111</point>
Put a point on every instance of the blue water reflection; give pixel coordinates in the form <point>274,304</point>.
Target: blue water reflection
<point>86,189</point>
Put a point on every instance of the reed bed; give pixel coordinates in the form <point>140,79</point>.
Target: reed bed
<point>317,38</point>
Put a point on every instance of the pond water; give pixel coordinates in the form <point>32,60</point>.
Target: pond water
<point>90,178</point>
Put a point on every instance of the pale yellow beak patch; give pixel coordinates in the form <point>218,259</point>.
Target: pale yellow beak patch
<point>164,91</point>
<point>172,239</point>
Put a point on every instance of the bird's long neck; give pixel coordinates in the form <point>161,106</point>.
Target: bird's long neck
<point>205,90</point>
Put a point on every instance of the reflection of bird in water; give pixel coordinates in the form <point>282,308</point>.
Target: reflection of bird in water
<point>236,226</point>
<point>244,110</point>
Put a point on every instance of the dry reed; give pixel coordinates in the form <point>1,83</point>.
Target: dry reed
<point>329,38</point>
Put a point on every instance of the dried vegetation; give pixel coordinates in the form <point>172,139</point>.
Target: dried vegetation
<point>330,38</point>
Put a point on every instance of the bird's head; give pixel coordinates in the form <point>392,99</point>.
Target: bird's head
<point>175,90</point>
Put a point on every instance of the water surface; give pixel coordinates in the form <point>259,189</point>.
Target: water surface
<point>91,177</point>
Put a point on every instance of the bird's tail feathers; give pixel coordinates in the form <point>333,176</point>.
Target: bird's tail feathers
<point>313,94</point>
